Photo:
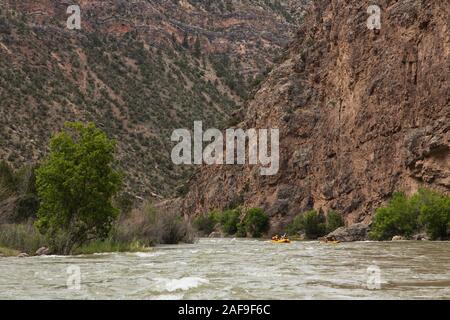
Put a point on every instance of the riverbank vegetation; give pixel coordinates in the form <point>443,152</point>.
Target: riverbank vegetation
<point>71,202</point>
<point>425,211</point>
<point>23,237</point>
<point>76,184</point>
<point>253,222</point>
<point>7,252</point>
<point>150,226</point>
<point>314,224</point>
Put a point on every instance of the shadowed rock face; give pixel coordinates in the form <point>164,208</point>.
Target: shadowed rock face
<point>361,114</point>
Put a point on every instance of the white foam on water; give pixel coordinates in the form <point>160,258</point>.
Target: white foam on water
<point>148,254</point>
<point>184,284</point>
<point>148,264</point>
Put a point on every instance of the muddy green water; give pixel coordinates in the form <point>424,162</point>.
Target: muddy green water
<point>238,269</point>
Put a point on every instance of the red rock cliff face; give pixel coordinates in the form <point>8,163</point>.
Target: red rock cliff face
<point>361,114</point>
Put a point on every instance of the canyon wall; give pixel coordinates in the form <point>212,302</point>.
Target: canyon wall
<point>362,113</point>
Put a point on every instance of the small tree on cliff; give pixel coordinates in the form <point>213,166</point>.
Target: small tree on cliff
<point>76,184</point>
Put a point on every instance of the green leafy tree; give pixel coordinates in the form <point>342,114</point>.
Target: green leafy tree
<point>256,223</point>
<point>295,226</point>
<point>229,220</point>
<point>334,221</point>
<point>241,232</point>
<point>206,223</point>
<point>435,214</point>
<point>312,223</point>
<point>398,217</point>
<point>76,184</point>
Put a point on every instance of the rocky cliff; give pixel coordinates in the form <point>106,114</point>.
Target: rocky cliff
<point>362,113</point>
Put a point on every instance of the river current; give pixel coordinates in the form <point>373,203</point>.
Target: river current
<point>238,269</point>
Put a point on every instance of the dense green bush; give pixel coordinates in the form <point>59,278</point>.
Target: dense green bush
<point>255,223</point>
<point>334,221</point>
<point>435,214</point>
<point>312,223</point>
<point>398,217</point>
<point>241,231</point>
<point>426,210</point>
<point>295,226</point>
<point>206,223</point>
<point>229,221</point>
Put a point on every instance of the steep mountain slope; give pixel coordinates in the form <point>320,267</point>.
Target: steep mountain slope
<point>362,113</point>
<point>138,69</point>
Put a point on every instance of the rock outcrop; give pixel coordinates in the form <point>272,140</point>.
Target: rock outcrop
<point>355,232</point>
<point>43,251</point>
<point>362,113</point>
